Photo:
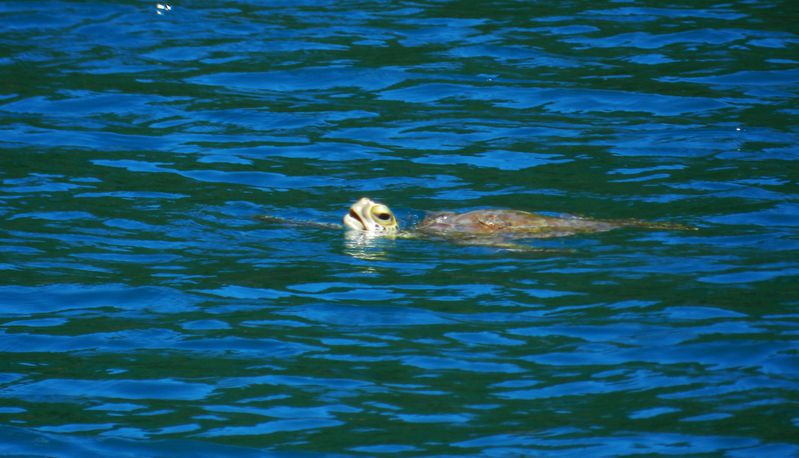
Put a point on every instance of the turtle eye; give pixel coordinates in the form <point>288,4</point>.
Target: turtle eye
<point>382,215</point>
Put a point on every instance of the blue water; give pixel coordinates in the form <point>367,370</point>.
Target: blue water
<point>145,310</point>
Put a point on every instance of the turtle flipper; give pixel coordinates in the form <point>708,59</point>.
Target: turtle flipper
<point>296,222</point>
<point>655,225</point>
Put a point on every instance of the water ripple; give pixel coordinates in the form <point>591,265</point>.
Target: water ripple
<point>146,310</point>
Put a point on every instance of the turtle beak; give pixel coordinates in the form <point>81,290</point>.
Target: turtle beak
<point>354,221</point>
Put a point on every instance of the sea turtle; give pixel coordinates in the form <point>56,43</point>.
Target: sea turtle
<point>493,227</point>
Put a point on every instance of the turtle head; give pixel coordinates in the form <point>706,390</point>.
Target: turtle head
<point>371,217</point>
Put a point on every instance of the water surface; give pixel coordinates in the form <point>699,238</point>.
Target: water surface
<point>144,309</point>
